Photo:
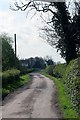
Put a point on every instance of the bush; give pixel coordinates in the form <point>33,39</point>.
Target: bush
<point>25,70</point>
<point>72,82</point>
<point>49,69</point>
<point>5,92</point>
<point>65,104</point>
<point>59,70</point>
<point>10,76</point>
<point>70,76</point>
<point>16,84</point>
<point>31,70</point>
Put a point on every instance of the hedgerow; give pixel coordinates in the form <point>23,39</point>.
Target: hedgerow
<point>72,82</point>
<point>70,77</point>
<point>49,69</point>
<point>10,76</point>
<point>59,70</point>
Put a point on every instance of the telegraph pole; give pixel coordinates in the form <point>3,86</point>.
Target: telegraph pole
<point>15,44</point>
<point>15,48</point>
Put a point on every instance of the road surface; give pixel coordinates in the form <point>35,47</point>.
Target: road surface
<point>37,100</point>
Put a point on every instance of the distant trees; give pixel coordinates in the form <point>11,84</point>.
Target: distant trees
<point>49,61</point>
<point>65,28</point>
<point>36,62</point>
<point>39,63</point>
<point>8,56</point>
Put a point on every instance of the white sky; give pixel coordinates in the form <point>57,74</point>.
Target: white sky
<point>29,44</point>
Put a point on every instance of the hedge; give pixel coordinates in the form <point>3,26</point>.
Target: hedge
<point>70,76</point>
<point>49,69</point>
<point>59,70</point>
<point>72,82</point>
<point>10,76</point>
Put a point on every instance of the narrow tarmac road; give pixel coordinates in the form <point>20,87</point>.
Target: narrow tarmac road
<point>38,100</point>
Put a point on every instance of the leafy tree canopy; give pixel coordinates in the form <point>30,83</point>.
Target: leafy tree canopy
<point>8,56</point>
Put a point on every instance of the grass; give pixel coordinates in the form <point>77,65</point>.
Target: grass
<point>24,79</point>
<point>11,87</point>
<point>63,98</point>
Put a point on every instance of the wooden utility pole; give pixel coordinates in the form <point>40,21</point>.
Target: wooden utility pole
<point>15,49</point>
<point>15,44</point>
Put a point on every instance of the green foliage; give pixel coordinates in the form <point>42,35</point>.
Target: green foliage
<point>59,70</point>
<point>10,76</point>
<point>8,57</point>
<point>7,52</point>
<point>72,82</point>
<point>49,60</point>
<point>49,69</point>
<point>63,31</point>
<point>66,26</point>
<point>33,63</point>
<point>17,83</point>
<point>24,79</point>
<point>39,63</point>
<point>70,79</point>
<point>31,70</point>
<point>5,92</point>
<point>25,70</point>
<point>63,98</point>
<point>70,75</point>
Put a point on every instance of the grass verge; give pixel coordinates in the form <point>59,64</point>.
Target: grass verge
<point>11,87</point>
<point>63,98</point>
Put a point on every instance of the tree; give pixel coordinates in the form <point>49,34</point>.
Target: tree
<point>39,63</point>
<point>76,28</point>
<point>0,55</point>
<point>69,43</point>
<point>49,61</point>
<point>36,62</point>
<point>8,56</point>
<point>62,24</point>
<point>61,29</point>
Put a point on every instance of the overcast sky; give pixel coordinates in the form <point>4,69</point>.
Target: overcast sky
<point>29,44</point>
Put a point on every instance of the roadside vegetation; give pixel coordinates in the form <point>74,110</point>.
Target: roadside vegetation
<point>67,80</point>
<point>65,104</point>
<point>12,73</point>
<point>16,83</point>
